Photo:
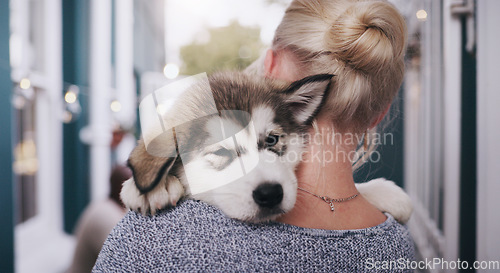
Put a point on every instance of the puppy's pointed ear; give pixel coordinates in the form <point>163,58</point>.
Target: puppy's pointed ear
<point>305,97</point>
<point>148,170</point>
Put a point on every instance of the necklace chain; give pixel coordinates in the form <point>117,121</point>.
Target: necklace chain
<point>329,200</point>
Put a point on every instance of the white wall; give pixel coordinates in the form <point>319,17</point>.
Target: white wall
<point>488,130</point>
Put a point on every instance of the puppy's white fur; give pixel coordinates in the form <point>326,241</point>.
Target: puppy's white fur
<point>387,197</point>
<point>167,194</point>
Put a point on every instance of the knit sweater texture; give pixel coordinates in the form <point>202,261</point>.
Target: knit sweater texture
<point>197,237</point>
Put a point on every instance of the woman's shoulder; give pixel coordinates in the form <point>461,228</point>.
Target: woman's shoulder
<point>188,214</point>
<point>196,235</point>
<point>190,218</point>
<point>182,238</point>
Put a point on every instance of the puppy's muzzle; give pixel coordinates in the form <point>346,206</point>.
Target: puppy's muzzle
<point>268,194</point>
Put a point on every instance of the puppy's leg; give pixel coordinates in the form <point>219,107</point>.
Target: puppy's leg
<point>153,186</point>
<point>387,197</point>
<point>163,195</point>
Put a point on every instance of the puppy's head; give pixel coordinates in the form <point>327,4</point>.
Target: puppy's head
<point>243,158</point>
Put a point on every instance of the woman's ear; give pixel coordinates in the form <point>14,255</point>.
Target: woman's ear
<point>281,65</point>
<point>380,117</point>
<point>269,63</point>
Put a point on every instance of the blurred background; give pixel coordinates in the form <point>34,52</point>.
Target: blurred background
<point>72,74</point>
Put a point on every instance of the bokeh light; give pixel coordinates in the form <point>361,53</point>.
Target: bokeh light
<point>171,71</point>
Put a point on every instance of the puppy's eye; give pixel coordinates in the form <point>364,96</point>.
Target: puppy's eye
<point>272,140</point>
<point>222,152</point>
<point>220,158</point>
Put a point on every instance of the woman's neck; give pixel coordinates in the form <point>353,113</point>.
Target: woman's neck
<point>327,171</point>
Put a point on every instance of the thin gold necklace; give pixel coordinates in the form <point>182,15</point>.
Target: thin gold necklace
<point>329,200</point>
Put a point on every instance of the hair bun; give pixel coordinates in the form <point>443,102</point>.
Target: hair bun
<point>364,36</point>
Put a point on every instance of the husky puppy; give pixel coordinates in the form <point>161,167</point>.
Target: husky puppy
<point>241,159</point>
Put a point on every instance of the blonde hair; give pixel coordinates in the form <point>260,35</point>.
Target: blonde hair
<point>361,42</point>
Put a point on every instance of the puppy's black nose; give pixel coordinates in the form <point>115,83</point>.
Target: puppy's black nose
<point>268,195</point>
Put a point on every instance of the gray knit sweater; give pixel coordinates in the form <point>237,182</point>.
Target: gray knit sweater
<point>194,237</point>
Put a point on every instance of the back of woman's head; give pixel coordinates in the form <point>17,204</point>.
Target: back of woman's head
<point>362,42</point>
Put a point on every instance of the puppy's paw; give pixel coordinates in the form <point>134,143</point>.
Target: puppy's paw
<point>165,194</point>
<point>175,190</point>
<point>387,197</point>
<point>132,197</point>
